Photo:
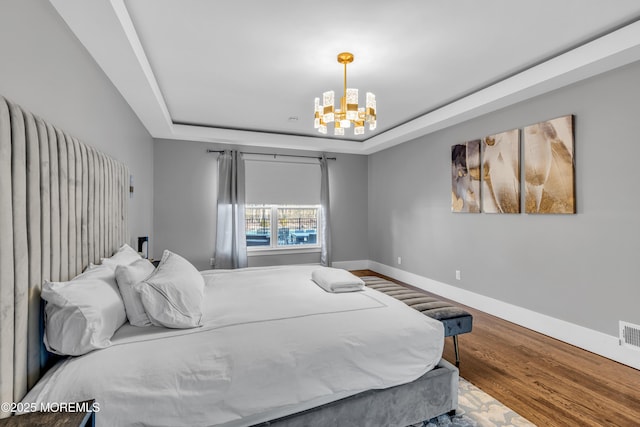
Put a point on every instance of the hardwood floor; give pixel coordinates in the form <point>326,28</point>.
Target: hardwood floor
<point>547,381</point>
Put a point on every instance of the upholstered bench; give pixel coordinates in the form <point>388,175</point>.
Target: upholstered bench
<point>456,321</point>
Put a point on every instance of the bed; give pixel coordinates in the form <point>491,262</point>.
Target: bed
<point>271,347</point>
<point>273,343</point>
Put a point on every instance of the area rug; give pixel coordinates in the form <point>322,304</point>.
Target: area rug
<point>477,409</point>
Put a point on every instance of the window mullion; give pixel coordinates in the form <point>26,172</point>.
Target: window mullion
<point>274,226</point>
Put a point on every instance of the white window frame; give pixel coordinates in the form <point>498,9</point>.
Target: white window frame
<point>286,249</point>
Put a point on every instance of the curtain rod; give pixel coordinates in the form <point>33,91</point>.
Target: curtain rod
<point>274,155</point>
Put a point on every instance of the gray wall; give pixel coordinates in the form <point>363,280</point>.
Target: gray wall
<point>46,70</point>
<point>185,188</point>
<point>185,178</point>
<point>580,268</point>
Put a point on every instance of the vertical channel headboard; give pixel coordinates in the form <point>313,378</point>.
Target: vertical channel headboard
<point>63,205</point>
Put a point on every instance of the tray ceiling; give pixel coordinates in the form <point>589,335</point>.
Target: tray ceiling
<point>247,72</point>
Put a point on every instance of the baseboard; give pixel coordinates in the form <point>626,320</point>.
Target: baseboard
<point>588,339</point>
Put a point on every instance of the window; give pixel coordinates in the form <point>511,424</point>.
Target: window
<point>282,205</point>
<point>281,226</point>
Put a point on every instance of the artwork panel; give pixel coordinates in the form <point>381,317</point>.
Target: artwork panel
<point>501,172</point>
<point>465,177</point>
<point>549,167</point>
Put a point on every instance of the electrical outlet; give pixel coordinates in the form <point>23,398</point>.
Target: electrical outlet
<point>457,274</point>
<point>212,262</point>
<point>399,260</point>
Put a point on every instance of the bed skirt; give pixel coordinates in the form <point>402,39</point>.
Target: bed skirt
<point>433,394</point>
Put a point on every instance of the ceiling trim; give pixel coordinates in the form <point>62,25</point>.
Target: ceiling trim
<point>608,52</point>
<point>106,30</point>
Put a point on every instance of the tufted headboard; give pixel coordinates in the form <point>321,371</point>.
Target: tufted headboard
<point>63,205</point>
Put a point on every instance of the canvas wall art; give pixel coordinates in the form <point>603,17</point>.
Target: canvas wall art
<point>501,172</point>
<point>465,177</point>
<point>549,167</point>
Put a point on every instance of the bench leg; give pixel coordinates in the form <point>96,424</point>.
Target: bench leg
<point>457,350</point>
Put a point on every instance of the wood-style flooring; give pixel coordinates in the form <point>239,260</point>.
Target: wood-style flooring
<point>547,381</point>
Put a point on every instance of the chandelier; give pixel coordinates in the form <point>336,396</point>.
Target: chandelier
<point>348,113</point>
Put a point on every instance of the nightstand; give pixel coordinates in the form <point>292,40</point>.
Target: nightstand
<point>53,419</point>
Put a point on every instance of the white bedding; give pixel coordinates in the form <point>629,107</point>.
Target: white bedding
<point>273,343</point>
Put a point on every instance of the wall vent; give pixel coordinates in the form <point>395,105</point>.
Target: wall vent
<point>629,335</point>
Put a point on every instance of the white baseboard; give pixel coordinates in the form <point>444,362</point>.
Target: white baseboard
<point>588,339</point>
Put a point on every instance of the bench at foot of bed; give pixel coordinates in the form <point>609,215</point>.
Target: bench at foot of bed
<point>456,321</point>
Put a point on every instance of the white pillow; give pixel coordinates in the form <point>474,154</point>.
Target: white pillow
<point>172,294</point>
<point>123,256</point>
<point>127,276</point>
<point>82,315</point>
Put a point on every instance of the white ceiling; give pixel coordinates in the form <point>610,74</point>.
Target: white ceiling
<point>236,71</point>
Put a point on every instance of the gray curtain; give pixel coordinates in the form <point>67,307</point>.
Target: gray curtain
<point>62,205</point>
<point>231,244</point>
<point>325,253</point>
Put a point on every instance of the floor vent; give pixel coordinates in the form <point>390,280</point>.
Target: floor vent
<point>629,335</point>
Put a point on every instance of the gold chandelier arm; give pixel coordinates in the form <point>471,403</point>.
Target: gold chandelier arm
<point>345,58</point>
<point>345,81</point>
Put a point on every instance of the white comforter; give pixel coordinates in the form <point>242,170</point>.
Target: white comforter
<point>273,343</point>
